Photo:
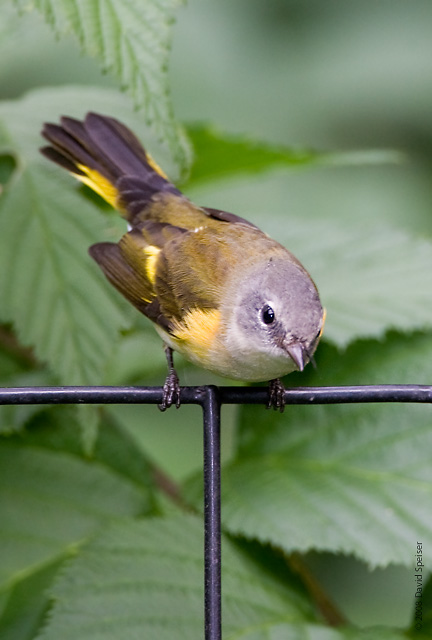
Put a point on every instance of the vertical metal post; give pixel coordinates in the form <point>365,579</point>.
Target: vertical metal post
<point>212,515</point>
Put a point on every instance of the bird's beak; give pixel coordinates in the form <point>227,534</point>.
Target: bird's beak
<point>297,353</point>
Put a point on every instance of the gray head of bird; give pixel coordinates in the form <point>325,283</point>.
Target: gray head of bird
<point>276,319</point>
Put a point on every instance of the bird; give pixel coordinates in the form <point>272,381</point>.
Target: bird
<point>217,289</point>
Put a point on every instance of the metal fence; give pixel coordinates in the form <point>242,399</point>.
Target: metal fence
<point>211,398</point>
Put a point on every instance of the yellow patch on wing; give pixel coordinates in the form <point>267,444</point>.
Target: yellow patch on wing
<point>99,184</point>
<point>151,253</point>
<point>197,331</point>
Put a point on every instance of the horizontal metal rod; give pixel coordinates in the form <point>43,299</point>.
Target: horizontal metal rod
<point>332,395</point>
<point>228,395</point>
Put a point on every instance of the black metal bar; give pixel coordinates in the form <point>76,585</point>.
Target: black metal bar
<point>93,395</point>
<point>212,515</point>
<point>228,395</point>
<point>332,395</point>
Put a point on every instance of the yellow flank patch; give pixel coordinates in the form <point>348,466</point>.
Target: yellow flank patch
<point>151,253</point>
<point>198,331</point>
<point>99,184</point>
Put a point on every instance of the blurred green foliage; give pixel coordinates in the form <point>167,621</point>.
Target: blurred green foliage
<point>312,120</point>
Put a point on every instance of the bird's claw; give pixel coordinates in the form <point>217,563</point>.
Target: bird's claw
<point>276,395</point>
<point>171,391</point>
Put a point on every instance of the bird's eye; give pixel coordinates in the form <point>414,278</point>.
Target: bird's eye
<point>267,314</point>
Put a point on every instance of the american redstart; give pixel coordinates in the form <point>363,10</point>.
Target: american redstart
<point>216,288</point>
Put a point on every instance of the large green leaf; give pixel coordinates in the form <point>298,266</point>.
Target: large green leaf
<point>346,478</point>
<point>131,39</point>
<point>26,604</point>
<point>219,155</point>
<point>52,497</point>
<point>49,288</point>
<point>144,580</point>
<point>85,494</point>
<point>50,502</point>
<point>371,279</point>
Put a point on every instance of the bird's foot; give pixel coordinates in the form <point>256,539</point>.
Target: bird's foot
<point>171,388</point>
<point>171,391</point>
<point>276,395</point>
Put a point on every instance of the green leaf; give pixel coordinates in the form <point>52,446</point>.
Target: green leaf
<point>373,280</point>
<point>132,40</point>
<point>26,604</point>
<point>140,355</point>
<point>219,155</point>
<point>144,580</point>
<point>14,359</point>
<point>48,286</point>
<point>344,478</point>
<point>115,448</point>
<point>7,167</point>
<point>51,500</point>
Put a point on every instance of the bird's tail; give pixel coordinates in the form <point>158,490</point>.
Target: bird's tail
<point>106,156</point>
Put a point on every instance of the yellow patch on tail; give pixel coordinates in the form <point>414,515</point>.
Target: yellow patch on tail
<point>99,184</point>
<point>154,165</point>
